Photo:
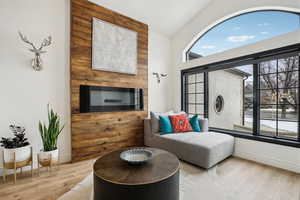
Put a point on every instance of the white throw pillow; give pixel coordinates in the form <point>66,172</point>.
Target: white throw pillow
<point>155,119</point>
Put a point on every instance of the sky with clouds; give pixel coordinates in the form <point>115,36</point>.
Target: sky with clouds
<point>246,29</point>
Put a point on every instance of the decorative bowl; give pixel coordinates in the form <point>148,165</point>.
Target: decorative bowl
<point>136,156</point>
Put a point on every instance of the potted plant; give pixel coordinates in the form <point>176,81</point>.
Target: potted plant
<point>16,149</point>
<point>49,134</point>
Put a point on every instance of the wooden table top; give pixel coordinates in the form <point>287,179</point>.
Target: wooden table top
<point>112,169</point>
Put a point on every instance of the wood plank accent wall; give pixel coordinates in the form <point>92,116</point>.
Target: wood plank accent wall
<point>94,134</point>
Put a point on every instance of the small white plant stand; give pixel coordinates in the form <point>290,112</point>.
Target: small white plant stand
<point>15,165</point>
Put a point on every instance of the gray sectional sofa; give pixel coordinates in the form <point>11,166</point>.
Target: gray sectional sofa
<point>204,149</point>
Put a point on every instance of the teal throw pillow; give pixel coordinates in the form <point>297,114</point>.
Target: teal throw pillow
<point>194,121</point>
<point>165,125</point>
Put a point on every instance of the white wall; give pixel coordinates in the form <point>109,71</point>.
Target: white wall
<point>215,12</point>
<point>270,154</point>
<point>25,93</point>
<point>159,61</point>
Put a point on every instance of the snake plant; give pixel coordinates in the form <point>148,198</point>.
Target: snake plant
<point>50,133</point>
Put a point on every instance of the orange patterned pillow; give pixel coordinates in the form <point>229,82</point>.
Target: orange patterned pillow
<point>180,123</point>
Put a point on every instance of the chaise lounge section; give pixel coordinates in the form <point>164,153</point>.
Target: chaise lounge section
<point>204,149</point>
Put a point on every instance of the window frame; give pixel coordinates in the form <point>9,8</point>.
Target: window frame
<point>185,83</point>
<point>277,89</point>
<point>186,53</point>
<point>253,59</point>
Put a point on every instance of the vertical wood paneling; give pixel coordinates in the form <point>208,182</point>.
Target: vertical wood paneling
<point>96,133</point>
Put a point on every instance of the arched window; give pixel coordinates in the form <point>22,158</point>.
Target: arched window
<point>242,30</point>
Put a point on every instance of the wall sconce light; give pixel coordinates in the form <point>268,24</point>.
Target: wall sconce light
<point>159,76</point>
<point>37,63</point>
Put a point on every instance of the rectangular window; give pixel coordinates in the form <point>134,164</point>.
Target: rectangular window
<point>257,100</point>
<point>279,99</point>
<point>194,98</point>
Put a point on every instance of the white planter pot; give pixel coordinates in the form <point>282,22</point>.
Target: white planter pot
<point>47,158</point>
<point>22,154</point>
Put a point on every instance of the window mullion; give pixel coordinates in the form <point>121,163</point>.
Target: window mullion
<point>196,94</point>
<point>277,98</point>
<point>186,96</point>
<point>183,93</point>
<point>206,90</point>
<point>256,100</point>
<point>298,103</point>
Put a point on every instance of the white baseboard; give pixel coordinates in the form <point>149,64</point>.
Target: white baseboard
<point>283,157</point>
<point>283,164</point>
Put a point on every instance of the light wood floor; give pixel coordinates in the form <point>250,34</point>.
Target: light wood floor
<point>49,187</point>
<point>46,186</point>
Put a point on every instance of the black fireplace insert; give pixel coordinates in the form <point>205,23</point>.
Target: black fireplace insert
<point>110,99</point>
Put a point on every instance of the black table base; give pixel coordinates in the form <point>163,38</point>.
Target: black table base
<point>167,189</point>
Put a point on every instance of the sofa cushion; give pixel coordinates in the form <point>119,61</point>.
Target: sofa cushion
<point>180,123</point>
<point>194,121</point>
<point>155,120</point>
<point>205,149</point>
<point>204,124</point>
<point>207,139</point>
<point>165,125</point>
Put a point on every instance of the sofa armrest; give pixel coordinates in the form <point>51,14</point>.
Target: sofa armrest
<point>204,124</point>
<point>147,131</point>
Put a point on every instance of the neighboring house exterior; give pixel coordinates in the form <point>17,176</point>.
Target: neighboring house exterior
<point>230,85</point>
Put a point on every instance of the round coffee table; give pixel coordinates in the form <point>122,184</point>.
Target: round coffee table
<point>115,179</point>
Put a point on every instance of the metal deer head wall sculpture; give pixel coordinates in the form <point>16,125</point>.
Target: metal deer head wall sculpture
<point>37,62</point>
<point>159,76</point>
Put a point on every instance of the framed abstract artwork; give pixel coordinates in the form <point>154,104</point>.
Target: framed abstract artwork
<point>114,48</point>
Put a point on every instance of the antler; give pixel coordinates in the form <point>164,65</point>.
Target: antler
<point>46,42</point>
<point>24,39</point>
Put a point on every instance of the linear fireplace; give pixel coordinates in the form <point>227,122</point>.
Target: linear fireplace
<point>110,99</point>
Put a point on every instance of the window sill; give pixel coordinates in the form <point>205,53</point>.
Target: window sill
<point>260,138</point>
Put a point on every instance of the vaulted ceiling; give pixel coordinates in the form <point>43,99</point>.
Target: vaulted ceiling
<point>164,16</point>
